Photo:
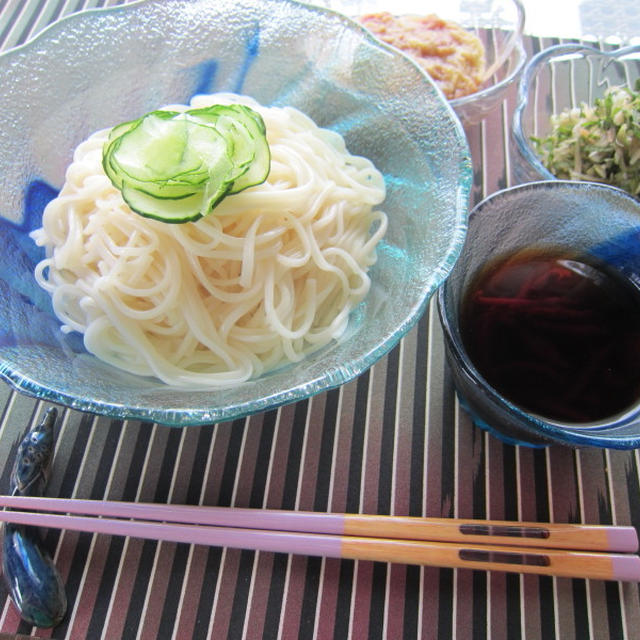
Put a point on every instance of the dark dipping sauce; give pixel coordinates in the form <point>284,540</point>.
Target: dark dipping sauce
<point>556,334</point>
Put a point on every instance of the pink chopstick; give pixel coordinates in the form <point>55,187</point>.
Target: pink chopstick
<point>548,535</point>
<point>427,541</point>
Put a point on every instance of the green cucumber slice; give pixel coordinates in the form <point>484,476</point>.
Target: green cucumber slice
<point>160,150</point>
<point>177,166</point>
<point>244,111</point>
<point>250,125</point>
<point>258,170</point>
<point>233,128</point>
<point>172,210</point>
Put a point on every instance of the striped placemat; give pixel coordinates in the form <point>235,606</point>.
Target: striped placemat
<point>393,441</point>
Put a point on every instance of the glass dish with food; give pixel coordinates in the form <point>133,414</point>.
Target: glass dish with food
<point>210,209</point>
<point>577,117</point>
<point>472,51</point>
<point>541,315</point>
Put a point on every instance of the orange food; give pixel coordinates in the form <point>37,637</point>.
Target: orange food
<point>451,55</point>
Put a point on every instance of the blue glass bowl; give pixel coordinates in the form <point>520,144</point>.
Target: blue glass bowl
<point>105,66</point>
<point>589,218</point>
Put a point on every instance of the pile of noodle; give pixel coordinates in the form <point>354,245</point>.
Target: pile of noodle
<point>270,275</point>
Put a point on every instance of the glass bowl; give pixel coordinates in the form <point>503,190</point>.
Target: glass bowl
<point>499,25</point>
<point>105,66</point>
<point>591,219</point>
<point>561,77</point>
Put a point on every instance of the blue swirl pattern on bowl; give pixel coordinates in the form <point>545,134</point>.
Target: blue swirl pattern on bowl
<point>105,66</point>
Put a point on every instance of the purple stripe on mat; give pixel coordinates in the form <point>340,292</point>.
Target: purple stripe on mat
<point>419,432</point>
<point>325,619</point>
<point>280,426</point>
<point>159,610</point>
<point>297,579</point>
<point>358,438</point>
<point>388,434</point>
<point>495,610</point>
<point>297,421</point>
<point>345,450</point>
<point>327,426</point>
<point>225,589</point>
<point>361,601</point>
<point>395,604</point>
<point>464,608</point>
<point>259,597</point>
<point>309,455</point>
<point>156,594</point>
<point>89,593</point>
<point>373,444</point>
<point>242,592</point>
<point>191,590</point>
<point>404,426</point>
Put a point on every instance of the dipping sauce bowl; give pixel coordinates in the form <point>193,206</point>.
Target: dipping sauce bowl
<point>594,232</point>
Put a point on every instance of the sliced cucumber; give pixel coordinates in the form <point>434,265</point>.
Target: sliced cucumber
<point>247,130</point>
<point>243,142</point>
<point>253,124</point>
<point>176,151</point>
<point>172,210</point>
<point>246,112</point>
<point>119,129</point>
<point>258,170</point>
<point>177,166</point>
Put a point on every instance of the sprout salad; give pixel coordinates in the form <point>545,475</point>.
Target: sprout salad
<point>599,142</point>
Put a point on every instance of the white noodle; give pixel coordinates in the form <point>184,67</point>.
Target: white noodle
<point>270,275</point>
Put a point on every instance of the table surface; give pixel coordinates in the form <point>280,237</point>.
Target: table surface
<point>394,441</point>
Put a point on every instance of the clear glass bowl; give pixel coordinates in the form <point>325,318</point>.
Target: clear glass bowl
<point>499,25</point>
<point>600,221</point>
<point>557,78</point>
<point>106,66</point>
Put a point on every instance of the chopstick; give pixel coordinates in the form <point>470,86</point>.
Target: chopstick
<point>441,542</point>
<point>586,537</point>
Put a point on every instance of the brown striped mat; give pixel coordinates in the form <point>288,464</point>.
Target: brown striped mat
<point>392,442</point>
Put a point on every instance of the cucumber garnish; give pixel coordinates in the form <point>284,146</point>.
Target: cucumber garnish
<point>177,166</point>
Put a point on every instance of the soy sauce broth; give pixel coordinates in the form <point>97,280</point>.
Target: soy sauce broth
<point>556,334</point>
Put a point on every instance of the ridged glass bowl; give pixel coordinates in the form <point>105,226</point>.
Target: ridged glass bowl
<point>590,219</point>
<point>563,77</point>
<point>497,23</point>
<point>101,67</point>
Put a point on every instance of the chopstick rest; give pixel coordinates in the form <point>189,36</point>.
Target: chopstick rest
<point>566,550</point>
